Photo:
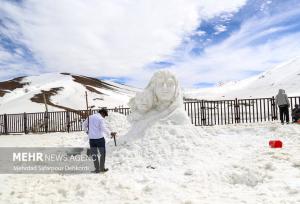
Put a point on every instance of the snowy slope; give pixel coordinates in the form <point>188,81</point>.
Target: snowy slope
<point>63,91</point>
<point>286,76</point>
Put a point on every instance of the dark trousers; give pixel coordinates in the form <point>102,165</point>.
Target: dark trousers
<point>98,144</point>
<point>284,113</point>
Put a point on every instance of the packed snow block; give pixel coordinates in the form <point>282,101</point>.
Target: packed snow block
<point>275,144</point>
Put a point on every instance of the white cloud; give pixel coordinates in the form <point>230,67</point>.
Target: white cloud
<point>12,64</point>
<point>108,37</point>
<point>12,61</point>
<point>4,55</point>
<point>199,33</point>
<point>249,50</point>
<point>219,29</point>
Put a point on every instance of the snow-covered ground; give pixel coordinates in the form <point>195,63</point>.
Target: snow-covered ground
<point>220,164</point>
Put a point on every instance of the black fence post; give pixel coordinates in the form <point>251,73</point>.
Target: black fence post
<point>237,111</point>
<point>5,124</point>
<point>203,113</point>
<point>68,121</point>
<point>25,123</point>
<point>273,108</point>
<point>46,121</point>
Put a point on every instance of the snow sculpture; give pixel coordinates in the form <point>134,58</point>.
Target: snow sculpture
<point>161,101</point>
<point>140,104</point>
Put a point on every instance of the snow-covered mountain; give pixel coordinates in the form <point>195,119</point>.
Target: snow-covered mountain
<point>266,84</point>
<point>67,91</point>
<point>63,91</point>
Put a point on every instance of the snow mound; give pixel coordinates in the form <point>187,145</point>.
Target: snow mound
<point>165,146</point>
<point>117,122</point>
<point>246,176</point>
<point>171,164</point>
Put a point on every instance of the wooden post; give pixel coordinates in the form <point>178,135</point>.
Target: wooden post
<point>46,113</point>
<point>5,124</point>
<point>87,111</point>
<point>25,123</point>
<point>45,102</point>
<point>114,136</point>
<point>86,101</point>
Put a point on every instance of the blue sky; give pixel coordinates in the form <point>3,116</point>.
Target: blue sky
<point>284,23</point>
<point>202,43</point>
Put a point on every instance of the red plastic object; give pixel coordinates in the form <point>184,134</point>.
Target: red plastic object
<point>275,144</point>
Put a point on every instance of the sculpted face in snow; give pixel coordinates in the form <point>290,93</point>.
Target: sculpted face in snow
<point>160,101</point>
<point>165,89</point>
<point>143,101</point>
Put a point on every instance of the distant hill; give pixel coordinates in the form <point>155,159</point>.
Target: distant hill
<point>266,84</point>
<point>63,91</point>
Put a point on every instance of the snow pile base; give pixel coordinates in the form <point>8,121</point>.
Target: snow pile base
<point>117,122</point>
<point>172,164</point>
<point>160,145</point>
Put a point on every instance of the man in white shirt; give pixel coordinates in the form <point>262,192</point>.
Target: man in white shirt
<point>96,129</point>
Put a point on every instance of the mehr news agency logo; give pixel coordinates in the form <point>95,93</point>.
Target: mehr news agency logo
<point>46,159</point>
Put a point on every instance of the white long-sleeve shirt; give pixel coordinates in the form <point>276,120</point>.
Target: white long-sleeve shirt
<point>97,128</point>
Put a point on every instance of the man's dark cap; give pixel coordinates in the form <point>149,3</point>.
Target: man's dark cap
<point>103,111</point>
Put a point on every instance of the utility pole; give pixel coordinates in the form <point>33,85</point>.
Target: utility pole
<point>87,109</point>
<point>45,102</point>
<point>46,114</point>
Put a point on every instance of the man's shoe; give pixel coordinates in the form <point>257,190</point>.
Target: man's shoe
<point>95,171</point>
<point>103,170</point>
